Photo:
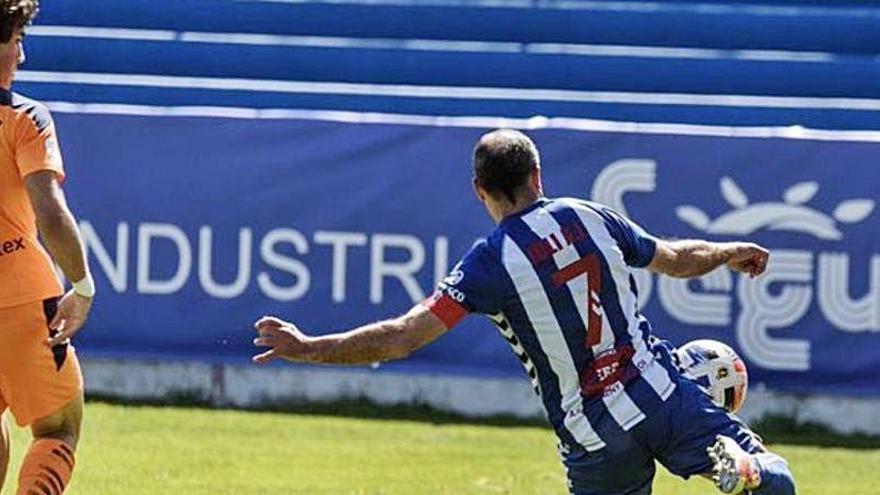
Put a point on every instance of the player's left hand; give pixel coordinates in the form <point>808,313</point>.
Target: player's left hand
<point>73,311</point>
<point>283,338</point>
<point>746,257</point>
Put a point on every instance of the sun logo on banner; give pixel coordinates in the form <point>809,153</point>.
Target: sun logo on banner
<point>765,314</point>
<point>792,214</point>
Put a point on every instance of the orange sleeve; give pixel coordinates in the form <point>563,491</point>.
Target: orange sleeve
<point>37,145</point>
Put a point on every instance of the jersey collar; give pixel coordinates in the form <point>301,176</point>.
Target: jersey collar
<point>534,206</point>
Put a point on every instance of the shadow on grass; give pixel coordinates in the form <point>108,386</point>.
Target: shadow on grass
<point>775,430</point>
<point>356,409</point>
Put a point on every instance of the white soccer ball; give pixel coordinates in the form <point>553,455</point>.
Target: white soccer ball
<point>718,369</point>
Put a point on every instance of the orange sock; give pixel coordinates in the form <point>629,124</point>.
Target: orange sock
<point>46,468</point>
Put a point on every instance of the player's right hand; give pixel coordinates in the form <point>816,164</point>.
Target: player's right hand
<point>73,311</point>
<point>283,338</point>
<point>746,257</point>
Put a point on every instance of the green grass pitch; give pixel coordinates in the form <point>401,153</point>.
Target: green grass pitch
<point>176,451</point>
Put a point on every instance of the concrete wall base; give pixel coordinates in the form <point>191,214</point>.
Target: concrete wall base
<point>251,386</point>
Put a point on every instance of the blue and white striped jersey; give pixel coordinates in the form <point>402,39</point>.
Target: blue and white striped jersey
<point>555,278</point>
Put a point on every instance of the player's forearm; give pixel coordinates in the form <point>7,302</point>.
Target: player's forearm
<point>61,237</point>
<point>382,341</point>
<point>694,258</point>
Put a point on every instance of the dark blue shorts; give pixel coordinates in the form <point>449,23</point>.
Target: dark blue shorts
<point>676,434</point>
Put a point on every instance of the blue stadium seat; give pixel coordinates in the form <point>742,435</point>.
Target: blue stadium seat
<point>772,49</point>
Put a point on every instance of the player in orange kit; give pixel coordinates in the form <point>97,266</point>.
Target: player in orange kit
<point>40,379</point>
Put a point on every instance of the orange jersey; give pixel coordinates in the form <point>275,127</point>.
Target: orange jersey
<point>27,144</point>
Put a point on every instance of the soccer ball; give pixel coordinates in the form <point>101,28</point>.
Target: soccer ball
<point>718,369</point>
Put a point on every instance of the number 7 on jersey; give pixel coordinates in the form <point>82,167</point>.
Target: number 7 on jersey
<point>588,265</point>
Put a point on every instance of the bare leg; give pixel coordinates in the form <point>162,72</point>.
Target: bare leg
<point>63,425</point>
<point>4,449</point>
<point>49,463</point>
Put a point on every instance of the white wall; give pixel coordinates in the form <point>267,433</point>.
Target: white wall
<point>251,386</point>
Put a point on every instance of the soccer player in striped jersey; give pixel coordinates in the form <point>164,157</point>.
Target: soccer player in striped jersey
<point>555,277</point>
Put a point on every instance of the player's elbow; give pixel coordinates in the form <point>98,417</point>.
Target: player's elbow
<point>403,347</point>
<point>47,199</point>
<point>407,339</point>
<point>399,351</point>
<point>51,217</point>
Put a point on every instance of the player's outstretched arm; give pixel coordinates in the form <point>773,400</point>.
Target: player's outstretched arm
<point>382,341</point>
<point>61,237</point>
<point>694,258</point>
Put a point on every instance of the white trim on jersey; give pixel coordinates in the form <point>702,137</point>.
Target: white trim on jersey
<point>540,313</point>
<point>619,403</point>
<point>506,331</point>
<point>652,371</point>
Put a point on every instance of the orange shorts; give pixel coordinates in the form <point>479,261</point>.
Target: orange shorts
<point>35,381</point>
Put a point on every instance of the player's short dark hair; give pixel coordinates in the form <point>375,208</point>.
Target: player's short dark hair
<point>16,14</point>
<point>503,161</point>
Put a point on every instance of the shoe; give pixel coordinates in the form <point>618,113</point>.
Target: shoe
<point>734,470</point>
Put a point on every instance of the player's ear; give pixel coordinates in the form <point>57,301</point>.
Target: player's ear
<point>479,191</point>
<point>535,181</point>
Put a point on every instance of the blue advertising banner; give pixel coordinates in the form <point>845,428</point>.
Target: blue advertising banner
<point>198,225</point>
